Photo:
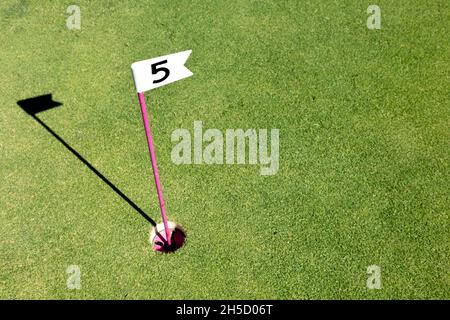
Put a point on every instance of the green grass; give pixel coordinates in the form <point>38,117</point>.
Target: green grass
<point>364,154</point>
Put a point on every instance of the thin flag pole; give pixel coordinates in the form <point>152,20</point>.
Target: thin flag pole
<point>151,149</point>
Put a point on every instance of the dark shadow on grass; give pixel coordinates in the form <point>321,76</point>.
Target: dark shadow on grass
<point>45,102</point>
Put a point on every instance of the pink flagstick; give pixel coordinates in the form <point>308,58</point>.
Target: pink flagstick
<point>154,166</point>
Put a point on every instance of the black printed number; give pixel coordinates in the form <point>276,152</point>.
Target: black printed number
<point>155,70</point>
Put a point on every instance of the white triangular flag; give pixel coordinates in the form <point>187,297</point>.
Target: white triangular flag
<point>157,72</point>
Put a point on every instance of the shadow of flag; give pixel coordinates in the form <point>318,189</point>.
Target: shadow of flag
<point>38,104</point>
<point>34,105</point>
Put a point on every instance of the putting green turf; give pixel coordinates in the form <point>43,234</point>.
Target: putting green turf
<point>364,155</point>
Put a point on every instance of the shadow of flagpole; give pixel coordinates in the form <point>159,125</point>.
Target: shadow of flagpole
<point>45,102</point>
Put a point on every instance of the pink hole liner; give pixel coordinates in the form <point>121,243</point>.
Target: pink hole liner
<point>158,238</point>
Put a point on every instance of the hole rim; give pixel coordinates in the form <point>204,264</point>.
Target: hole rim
<point>157,238</point>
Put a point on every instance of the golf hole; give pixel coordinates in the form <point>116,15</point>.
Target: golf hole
<point>158,237</point>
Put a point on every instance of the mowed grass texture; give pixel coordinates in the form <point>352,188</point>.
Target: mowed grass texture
<point>364,155</point>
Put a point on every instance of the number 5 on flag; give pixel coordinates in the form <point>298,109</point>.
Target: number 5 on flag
<point>157,72</point>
